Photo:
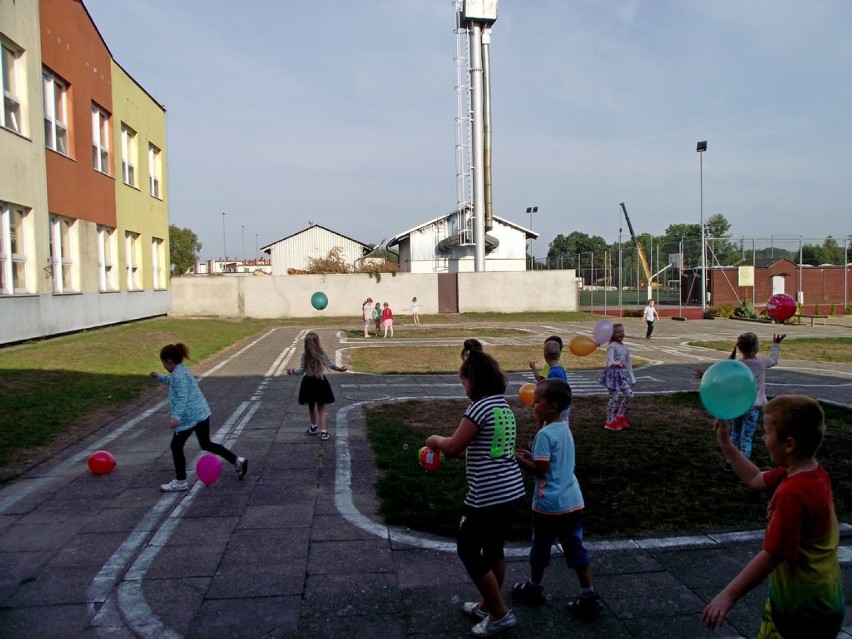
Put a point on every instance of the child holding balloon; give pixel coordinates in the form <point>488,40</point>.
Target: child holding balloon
<point>617,377</point>
<point>189,413</point>
<point>486,435</point>
<point>315,390</point>
<point>743,427</point>
<point>800,548</point>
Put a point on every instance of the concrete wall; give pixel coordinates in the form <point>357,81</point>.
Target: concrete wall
<point>290,296</point>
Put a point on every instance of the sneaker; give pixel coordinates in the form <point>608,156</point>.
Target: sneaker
<point>472,609</point>
<point>313,430</point>
<point>487,628</point>
<point>324,435</point>
<point>174,486</point>
<point>621,419</point>
<point>529,592</point>
<point>728,468</point>
<point>613,425</point>
<point>241,465</point>
<point>587,607</point>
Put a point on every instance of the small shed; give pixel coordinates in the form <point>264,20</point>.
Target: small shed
<point>294,251</point>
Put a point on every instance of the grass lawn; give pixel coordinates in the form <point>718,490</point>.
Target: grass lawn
<point>663,474</point>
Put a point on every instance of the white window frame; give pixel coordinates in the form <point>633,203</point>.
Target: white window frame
<point>63,254</point>
<point>100,139</point>
<point>55,113</point>
<point>155,171</point>
<point>158,259</point>
<point>107,252</point>
<point>132,262</point>
<point>15,242</point>
<point>10,83</point>
<point>129,155</point>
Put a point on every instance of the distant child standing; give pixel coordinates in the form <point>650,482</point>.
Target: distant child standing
<point>315,390</point>
<point>377,318</point>
<point>799,553</point>
<point>415,311</point>
<point>367,315</point>
<point>188,413</point>
<point>617,378</point>
<point>545,370</point>
<point>557,501</point>
<point>650,315</point>
<point>486,435</point>
<point>743,427</point>
<point>387,319</point>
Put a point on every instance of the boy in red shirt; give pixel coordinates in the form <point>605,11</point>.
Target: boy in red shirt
<point>799,552</point>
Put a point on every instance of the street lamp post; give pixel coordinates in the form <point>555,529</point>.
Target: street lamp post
<point>700,148</point>
<point>224,243</point>
<point>530,211</point>
<point>243,237</point>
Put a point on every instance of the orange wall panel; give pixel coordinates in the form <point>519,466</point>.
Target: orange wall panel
<point>73,49</point>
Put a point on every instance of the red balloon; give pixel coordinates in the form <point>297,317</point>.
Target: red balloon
<point>781,307</point>
<point>101,462</point>
<point>430,458</point>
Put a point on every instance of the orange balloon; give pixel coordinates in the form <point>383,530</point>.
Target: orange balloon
<point>582,345</point>
<point>526,393</point>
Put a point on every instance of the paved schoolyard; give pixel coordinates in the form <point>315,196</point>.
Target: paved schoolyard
<point>296,548</point>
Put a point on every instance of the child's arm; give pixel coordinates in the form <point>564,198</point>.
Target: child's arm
<point>327,361</point>
<point>775,349</point>
<point>160,377</point>
<point>750,474</point>
<point>535,371</point>
<point>537,467</point>
<point>456,443</point>
<point>753,574</point>
<point>629,366</point>
<point>733,354</point>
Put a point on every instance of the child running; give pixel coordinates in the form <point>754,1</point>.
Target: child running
<point>557,501</point>
<point>315,390</point>
<point>486,434</point>
<point>799,553</point>
<point>617,377</point>
<point>743,427</point>
<point>188,413</point>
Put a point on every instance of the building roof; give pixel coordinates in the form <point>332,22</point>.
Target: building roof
<point>396,239</point>
<point>268,247</point>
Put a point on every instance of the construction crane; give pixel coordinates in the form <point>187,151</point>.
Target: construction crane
<point>639,248</point>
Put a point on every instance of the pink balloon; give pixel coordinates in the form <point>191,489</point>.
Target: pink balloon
<point>208,468</point>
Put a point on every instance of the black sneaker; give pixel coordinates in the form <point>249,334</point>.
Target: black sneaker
<point>529,593</point>
<point>586,607</point>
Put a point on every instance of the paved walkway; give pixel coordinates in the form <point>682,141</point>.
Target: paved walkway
<point>296,548</point>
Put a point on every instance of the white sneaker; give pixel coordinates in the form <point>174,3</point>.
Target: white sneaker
<point>175,486</point>
<point>486,627</point>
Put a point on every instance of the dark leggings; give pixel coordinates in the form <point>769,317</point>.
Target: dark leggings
<point>482,534</point>
<point>202,432</point>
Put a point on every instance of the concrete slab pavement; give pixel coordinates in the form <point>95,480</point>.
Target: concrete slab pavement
<point>296,549</point>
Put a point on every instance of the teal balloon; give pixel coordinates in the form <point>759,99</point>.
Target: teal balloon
<point>728,389</point>
<point>319,300</point>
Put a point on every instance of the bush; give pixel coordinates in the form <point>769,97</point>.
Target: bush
<point>632,312</point>
<point>817,310</point>
<point>832,310</point>
<point>722,310</point>
<point>745,309</point>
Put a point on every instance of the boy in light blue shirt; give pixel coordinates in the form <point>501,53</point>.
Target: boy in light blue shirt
<point>557,502</point>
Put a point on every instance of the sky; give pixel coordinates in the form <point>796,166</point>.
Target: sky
<point>285,112</point>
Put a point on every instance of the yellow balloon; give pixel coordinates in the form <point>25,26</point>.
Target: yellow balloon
<point>526,393</point>
<point>582,345</point>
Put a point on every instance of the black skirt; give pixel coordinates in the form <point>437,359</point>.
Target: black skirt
<point>315,390</point>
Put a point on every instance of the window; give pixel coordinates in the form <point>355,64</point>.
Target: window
<point>131,250</point>
<point>155,169</point>
<point>128,155</point>
<point>107,280</point>
<point>14,244</point>
<point>55,113</point>
<point>63,248</point>
<point>9,85</point>
<point>158,259</point>
<point>100,139</point>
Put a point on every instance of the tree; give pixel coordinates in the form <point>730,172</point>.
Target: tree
<point>183,248</point>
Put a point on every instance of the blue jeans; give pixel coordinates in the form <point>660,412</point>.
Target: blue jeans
<point>742,430</point>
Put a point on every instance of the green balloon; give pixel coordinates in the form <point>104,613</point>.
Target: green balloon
<point>728,389</point>
<point>319,300</point>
